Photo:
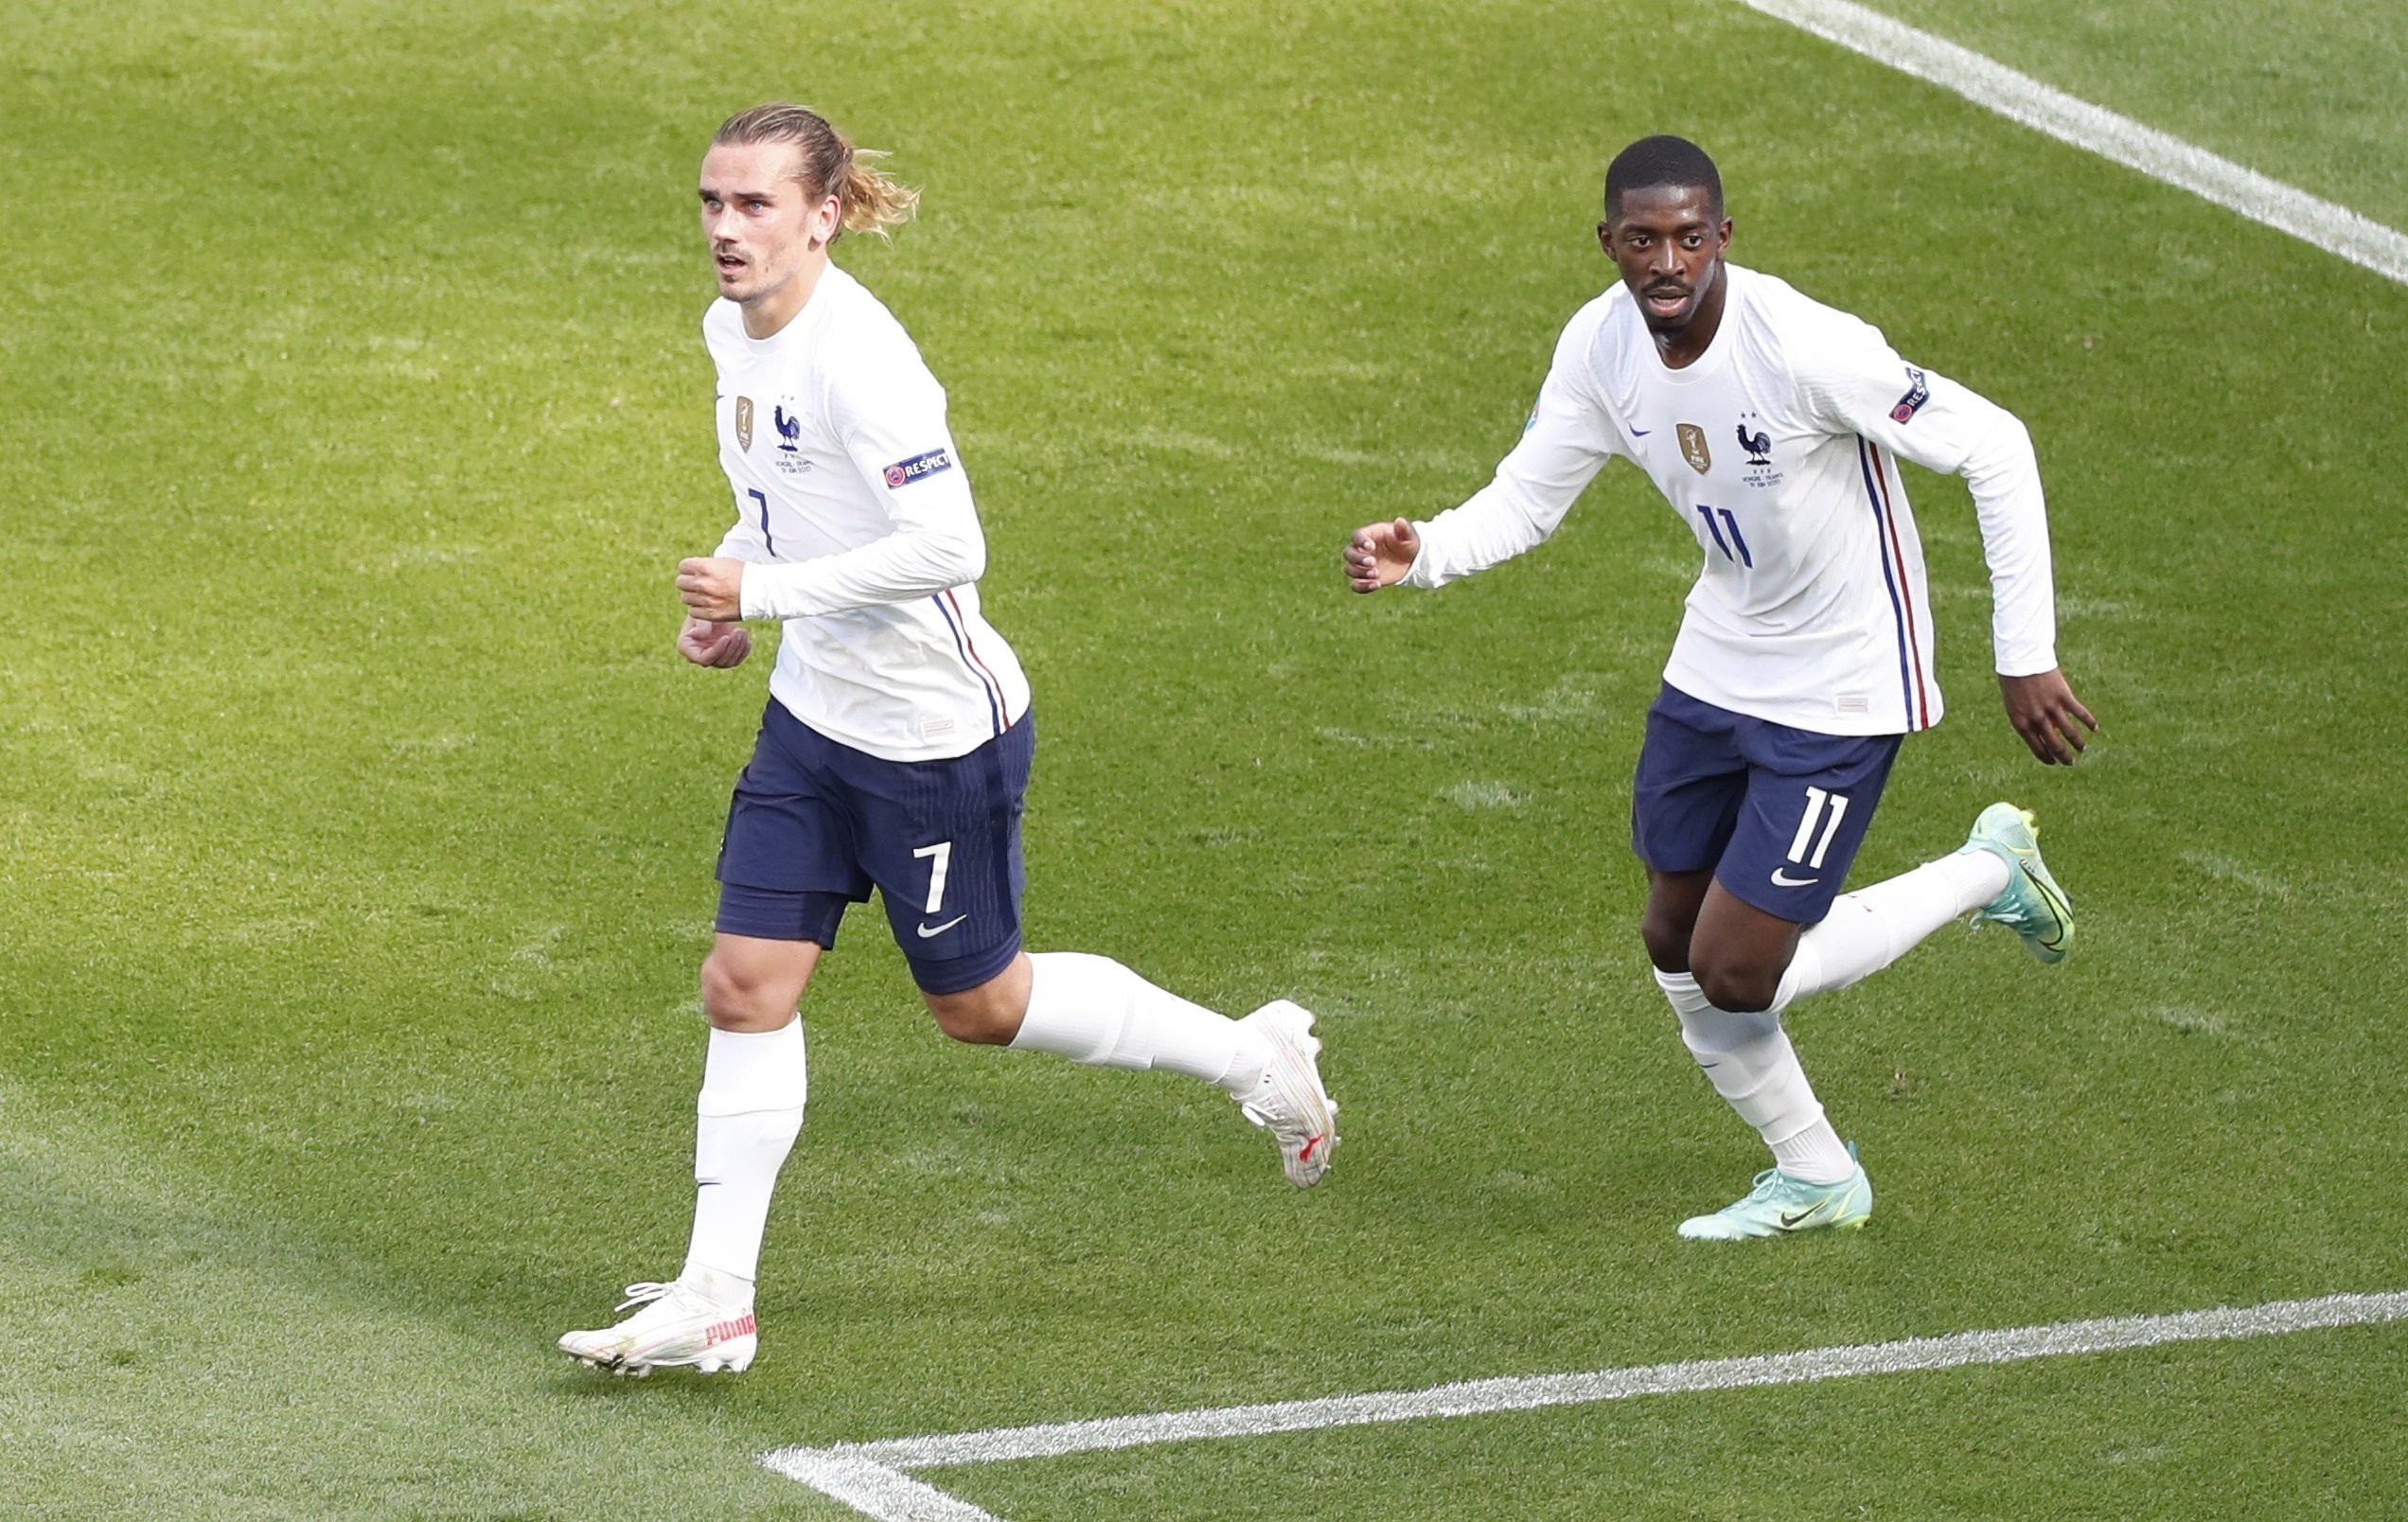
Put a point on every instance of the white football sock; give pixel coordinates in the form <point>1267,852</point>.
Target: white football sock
<point>745,1123</point>
<point>1872,928</point>
<point>1749,1061</point>
<point>1090,1009</point>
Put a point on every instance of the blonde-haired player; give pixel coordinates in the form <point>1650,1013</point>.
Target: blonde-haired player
<point>896,747</point>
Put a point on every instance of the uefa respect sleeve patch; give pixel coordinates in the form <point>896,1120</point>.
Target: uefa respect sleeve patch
<point>903,472</point>
<point>1911,403</point>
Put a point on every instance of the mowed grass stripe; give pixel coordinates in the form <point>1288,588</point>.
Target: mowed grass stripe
<point>173,1353</point>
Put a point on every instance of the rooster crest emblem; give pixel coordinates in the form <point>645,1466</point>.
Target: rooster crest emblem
<point>1758,445</point>
<point>789,428</point>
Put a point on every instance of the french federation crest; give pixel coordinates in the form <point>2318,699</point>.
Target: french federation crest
<point>1693,443</point>
<point>1757,443</point>
<point>744,422</point>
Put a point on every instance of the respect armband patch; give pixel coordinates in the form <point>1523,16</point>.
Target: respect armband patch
<point>903,472</point>
<point>1911,403</point>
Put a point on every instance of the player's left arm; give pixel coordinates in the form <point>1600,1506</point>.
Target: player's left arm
<point>1858,384</point>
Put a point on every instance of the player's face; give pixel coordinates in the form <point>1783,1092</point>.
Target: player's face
<point>1668,241</point>
<point>762,229</point>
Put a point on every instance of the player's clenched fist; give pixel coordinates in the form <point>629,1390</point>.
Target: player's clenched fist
<point>706,643</point>
<point>712,588</point>
<point>1380,553</point>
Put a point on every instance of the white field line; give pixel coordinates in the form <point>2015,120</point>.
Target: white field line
<point>868,1476</point>
<point>1989,83</point>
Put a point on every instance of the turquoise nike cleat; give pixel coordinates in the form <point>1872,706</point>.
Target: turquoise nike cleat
<point>1780,1205</point>
<point>2033,905</point>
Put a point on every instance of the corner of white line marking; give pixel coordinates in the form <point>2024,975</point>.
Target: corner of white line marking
<point>871,1488</point>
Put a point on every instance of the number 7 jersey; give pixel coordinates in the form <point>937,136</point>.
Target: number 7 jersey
<point>855,519</point>
<point>1777,448</point>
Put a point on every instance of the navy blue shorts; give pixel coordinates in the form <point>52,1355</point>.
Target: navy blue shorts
<point>815,825</point>
<point>1777,812</point>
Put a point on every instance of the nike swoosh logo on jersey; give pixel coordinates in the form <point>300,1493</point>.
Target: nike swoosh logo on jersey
<point>1642,433</point>
<point>926,929</point>
<point>1782,880</point>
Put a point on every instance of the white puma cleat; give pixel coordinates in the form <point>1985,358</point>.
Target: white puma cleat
<point>679,1327</point>
<point>1289,1101</point>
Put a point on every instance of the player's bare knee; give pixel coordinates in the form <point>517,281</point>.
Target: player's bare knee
<point>1667,941</point>
<point>1740,987</point>
<point>734,998</point>
<point>971,1017</point>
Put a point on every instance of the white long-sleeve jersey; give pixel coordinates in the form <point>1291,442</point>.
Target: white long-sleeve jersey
<point>854,515</point>
<point>1775,448</point>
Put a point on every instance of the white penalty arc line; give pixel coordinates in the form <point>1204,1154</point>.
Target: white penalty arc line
<point>1991,84</point>
<point>869,1475</point>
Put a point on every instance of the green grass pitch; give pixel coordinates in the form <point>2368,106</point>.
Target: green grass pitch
<point>359,819</point>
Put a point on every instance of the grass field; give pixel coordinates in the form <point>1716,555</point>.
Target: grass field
<point>360,819</point>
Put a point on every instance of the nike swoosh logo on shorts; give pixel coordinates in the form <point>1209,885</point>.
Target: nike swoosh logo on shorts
<point>1782,880</point>
<point>926,929</point>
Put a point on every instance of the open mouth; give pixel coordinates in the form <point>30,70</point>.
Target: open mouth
<point>1666,298</point>
<point>728,263</point>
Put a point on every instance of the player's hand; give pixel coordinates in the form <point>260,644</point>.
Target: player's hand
<point>712,588</point>
<point>706,643</point>
<point>2047,715</point>
<point>1380,553</point>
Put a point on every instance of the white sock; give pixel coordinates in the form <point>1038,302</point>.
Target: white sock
<point>1749,1061</point>
<point>1872,928</point>
<point>1090,1009</point>
<point>751,1110</point>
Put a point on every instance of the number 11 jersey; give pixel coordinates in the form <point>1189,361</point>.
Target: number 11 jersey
<point>1776,449</point>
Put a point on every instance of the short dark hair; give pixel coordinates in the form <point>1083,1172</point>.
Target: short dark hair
<point>1662,160</point>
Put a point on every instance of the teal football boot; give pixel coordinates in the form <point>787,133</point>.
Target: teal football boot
<point>1780,1205</point>
<point>2031,905</point>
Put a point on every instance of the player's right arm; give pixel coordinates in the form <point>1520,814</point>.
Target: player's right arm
<point>1566,441</point>
<point>706,643</point>
<point>709,643</point>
